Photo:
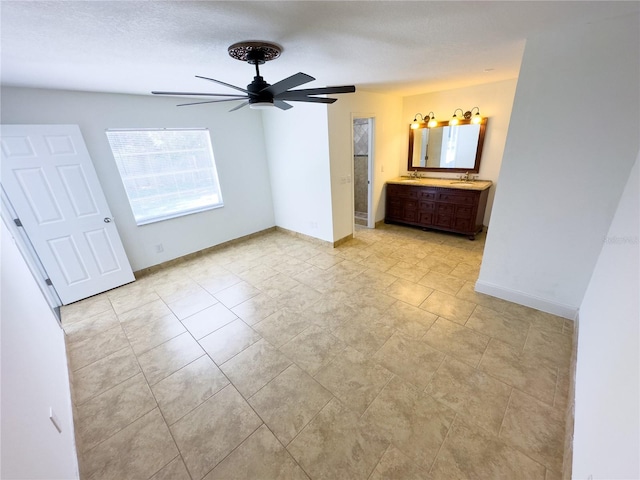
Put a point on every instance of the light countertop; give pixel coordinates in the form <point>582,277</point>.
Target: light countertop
<point>443,183</point>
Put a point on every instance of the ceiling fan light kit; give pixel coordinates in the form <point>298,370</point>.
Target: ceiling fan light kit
<point>259,94</point>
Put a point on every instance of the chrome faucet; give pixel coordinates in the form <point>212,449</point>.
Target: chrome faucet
<point>465,177</point>
<point>414,174</point>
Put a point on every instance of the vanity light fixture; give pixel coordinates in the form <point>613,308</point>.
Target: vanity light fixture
<point>475,117</point>
<point>416,123</point>
<point>430,120</point>
<point>455,120</point>
<point>432,123</point>
<point>468,115</point>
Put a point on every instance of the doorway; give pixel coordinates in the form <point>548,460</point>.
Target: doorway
<point>362,170</point>
<point>29,254</point>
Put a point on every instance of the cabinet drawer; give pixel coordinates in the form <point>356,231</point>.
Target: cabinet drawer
<point>402,191</point>
<point>443,220</point>
<point>463,211</point>
<point>427,194</point>
<point>459,198</point>
<point>425,218</point>
<point>444,209</point>
<point>462,224</point>
<point>410,216</point>
<point>393,190</point>
<point>394,212</point>
<point>427,206</point>
<point>395,203</point>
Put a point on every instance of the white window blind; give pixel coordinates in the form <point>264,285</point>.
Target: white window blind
<point>166,173</point>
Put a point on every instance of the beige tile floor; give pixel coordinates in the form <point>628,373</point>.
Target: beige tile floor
<point>279,358</point>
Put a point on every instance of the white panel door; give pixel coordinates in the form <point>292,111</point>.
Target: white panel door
<point>49,178</point>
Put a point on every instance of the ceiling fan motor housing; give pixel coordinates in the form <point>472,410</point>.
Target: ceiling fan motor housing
<point>257,87</point>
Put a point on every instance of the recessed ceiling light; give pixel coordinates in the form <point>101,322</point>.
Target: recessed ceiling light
<point>487,70</point>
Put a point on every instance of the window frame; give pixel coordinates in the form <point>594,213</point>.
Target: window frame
<point>175,214</point>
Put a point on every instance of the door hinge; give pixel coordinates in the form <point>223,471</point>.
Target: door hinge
<point>17,222</point>
<point>48,282</point>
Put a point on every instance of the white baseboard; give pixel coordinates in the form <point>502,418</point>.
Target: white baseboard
<point>559,309</point>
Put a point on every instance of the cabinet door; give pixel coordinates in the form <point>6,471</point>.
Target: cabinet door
<point>410,211</point>
<point>463,211</point>
<point>444,215</point>
<point>394,209</point>
<point>425,213</point>
<point>462,224</point>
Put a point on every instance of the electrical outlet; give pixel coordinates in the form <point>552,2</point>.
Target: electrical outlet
<point>159,248</point>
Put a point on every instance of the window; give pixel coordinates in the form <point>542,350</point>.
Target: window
<point>166,173</point>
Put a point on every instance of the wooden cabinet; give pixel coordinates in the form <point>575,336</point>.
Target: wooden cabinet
<point>450,209</point>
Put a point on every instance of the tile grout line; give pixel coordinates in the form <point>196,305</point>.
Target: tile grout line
<point>557,386</point>
<point>333,397</point>
<point>424,390</point>
<point>435,458</point>
<point>284,447</point>
<point>234,449</point>
<point>393,375</point>
<point>505,412</point>
<point>379,460</point>
<point>486,347</point>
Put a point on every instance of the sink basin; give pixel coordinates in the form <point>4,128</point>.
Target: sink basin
<point>409,180</point>
<point>462,183</point>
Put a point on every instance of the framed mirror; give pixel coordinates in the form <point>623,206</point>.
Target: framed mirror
<point>445,148</point>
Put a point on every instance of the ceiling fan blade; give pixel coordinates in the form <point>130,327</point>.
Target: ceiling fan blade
<point>226,85</point>
<point>282,105</point>
<point>212,101</point>
<point>310,99</point>
<point>289,82</point>
<point>318,91</point>
<point>243,104</point>
<point>200,94</point>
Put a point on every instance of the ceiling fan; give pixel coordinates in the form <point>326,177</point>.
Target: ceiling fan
<point>260,94</point>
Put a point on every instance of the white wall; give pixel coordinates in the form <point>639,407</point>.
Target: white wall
<point>297,147</point>
<point>238,148</point>
<point>573,138</point>
<point>389,148</point>
<point>607,396</point>
<point>494,100</point>
<point>34,378</point>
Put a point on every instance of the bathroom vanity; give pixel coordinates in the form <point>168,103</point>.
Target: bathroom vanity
<point>436,203</point>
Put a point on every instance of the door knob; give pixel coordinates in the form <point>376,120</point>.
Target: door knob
<point>107,220</point>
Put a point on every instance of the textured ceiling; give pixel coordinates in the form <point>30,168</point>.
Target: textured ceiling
<point>397,47</point>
